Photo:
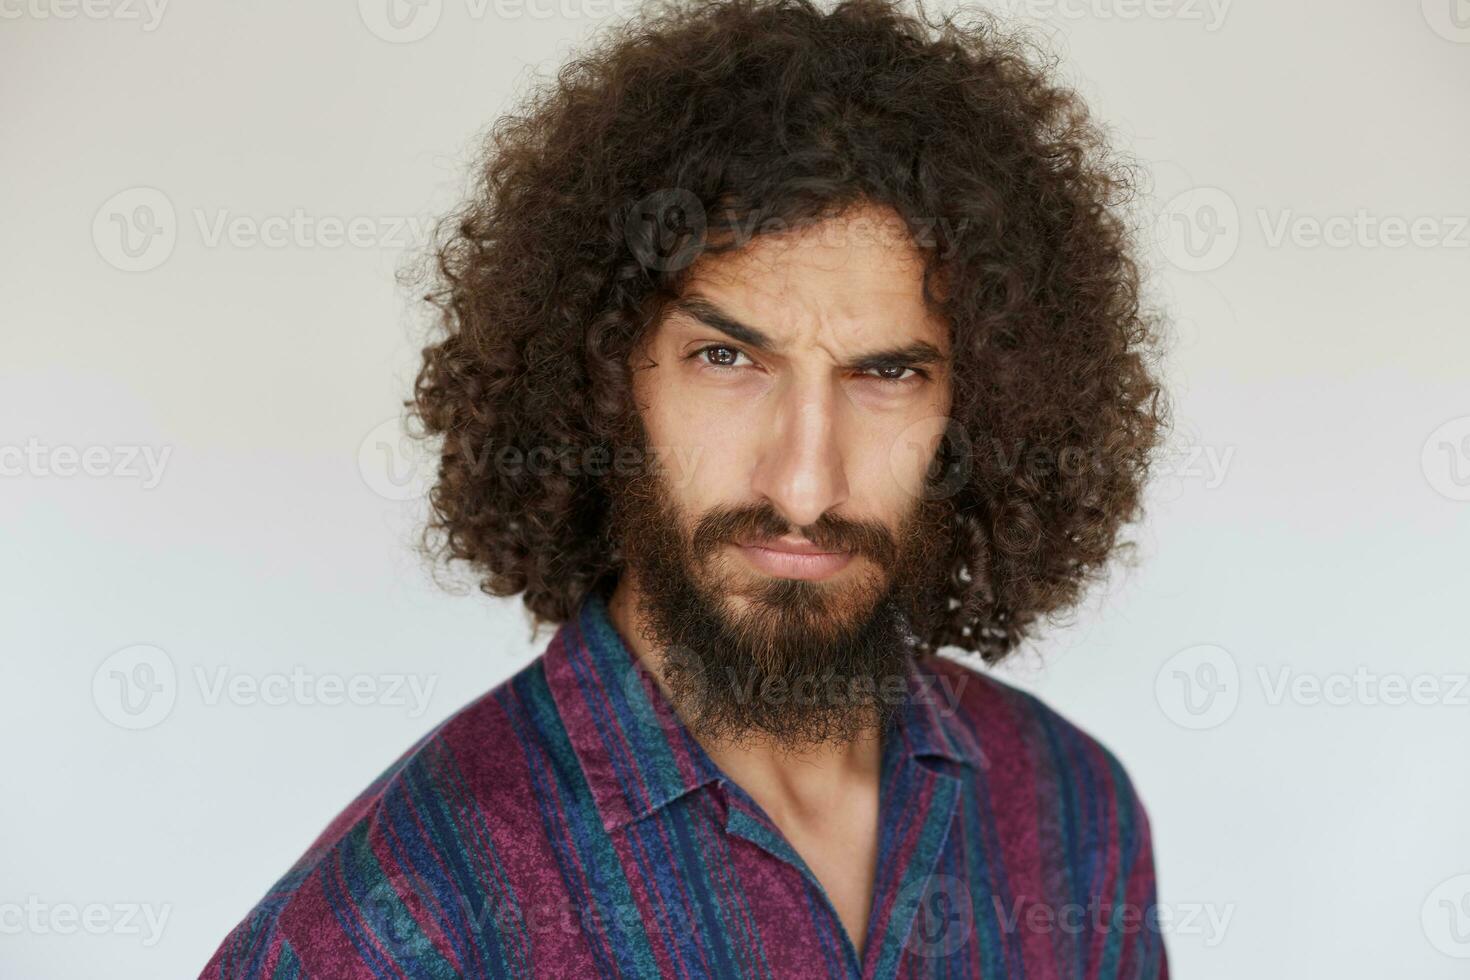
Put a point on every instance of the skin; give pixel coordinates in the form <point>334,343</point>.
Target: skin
<point>811,428</point>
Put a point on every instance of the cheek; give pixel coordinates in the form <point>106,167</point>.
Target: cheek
<point>705,457</point>
<point>894,461</point>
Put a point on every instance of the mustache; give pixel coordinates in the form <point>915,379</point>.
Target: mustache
<point>728,525</point>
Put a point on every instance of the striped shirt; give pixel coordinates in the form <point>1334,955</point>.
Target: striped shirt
<point>566,824</point>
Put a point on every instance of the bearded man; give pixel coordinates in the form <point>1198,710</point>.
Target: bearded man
<point>780,348</point>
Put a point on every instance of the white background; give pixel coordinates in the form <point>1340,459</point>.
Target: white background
<point>1314,529</point>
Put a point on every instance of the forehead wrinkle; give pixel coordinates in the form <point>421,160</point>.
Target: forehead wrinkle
<point>800,289</point>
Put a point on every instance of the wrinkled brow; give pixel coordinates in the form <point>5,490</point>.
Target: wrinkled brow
<point>711,315</point>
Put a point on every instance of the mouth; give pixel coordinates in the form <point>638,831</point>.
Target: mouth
<point>793,558</point>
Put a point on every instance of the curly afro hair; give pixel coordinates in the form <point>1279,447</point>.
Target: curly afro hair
<point>714,117</point>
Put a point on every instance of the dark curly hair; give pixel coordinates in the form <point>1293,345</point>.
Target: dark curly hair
<point>721,116</point>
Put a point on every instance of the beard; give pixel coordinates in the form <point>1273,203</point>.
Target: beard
<point>744,656</point>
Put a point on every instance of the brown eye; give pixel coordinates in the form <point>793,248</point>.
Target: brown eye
<point>719,356</point>
<point>894,373</point>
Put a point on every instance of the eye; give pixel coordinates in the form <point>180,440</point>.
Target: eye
<point>727,357</point>
<point>893,374</point>
<point>724,358</point>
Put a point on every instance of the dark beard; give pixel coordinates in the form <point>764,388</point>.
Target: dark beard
<point>805,663</point>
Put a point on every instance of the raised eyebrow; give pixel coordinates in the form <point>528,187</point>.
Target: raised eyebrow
<point>715,318</point>
<point>915,353</point>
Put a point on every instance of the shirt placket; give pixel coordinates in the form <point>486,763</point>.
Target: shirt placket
<point>916,809</point>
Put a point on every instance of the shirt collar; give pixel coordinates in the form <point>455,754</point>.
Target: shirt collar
<point>637,756</point>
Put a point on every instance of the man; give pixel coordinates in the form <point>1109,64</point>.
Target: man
<point>855,371</point>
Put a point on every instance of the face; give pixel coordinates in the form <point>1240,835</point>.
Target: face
<point>793,399</point>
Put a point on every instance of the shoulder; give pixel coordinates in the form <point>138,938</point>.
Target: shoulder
<point>362,882</point>
<point>1058,799</point>
<point>1026,745</point>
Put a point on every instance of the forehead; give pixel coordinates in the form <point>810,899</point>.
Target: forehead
<point>859,272</point>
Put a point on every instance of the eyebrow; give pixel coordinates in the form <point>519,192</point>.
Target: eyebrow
<point>709,314</point>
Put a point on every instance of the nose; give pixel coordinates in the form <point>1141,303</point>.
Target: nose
<point>801,468</point>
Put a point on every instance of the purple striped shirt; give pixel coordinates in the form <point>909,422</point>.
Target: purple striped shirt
<point>566,824</point>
